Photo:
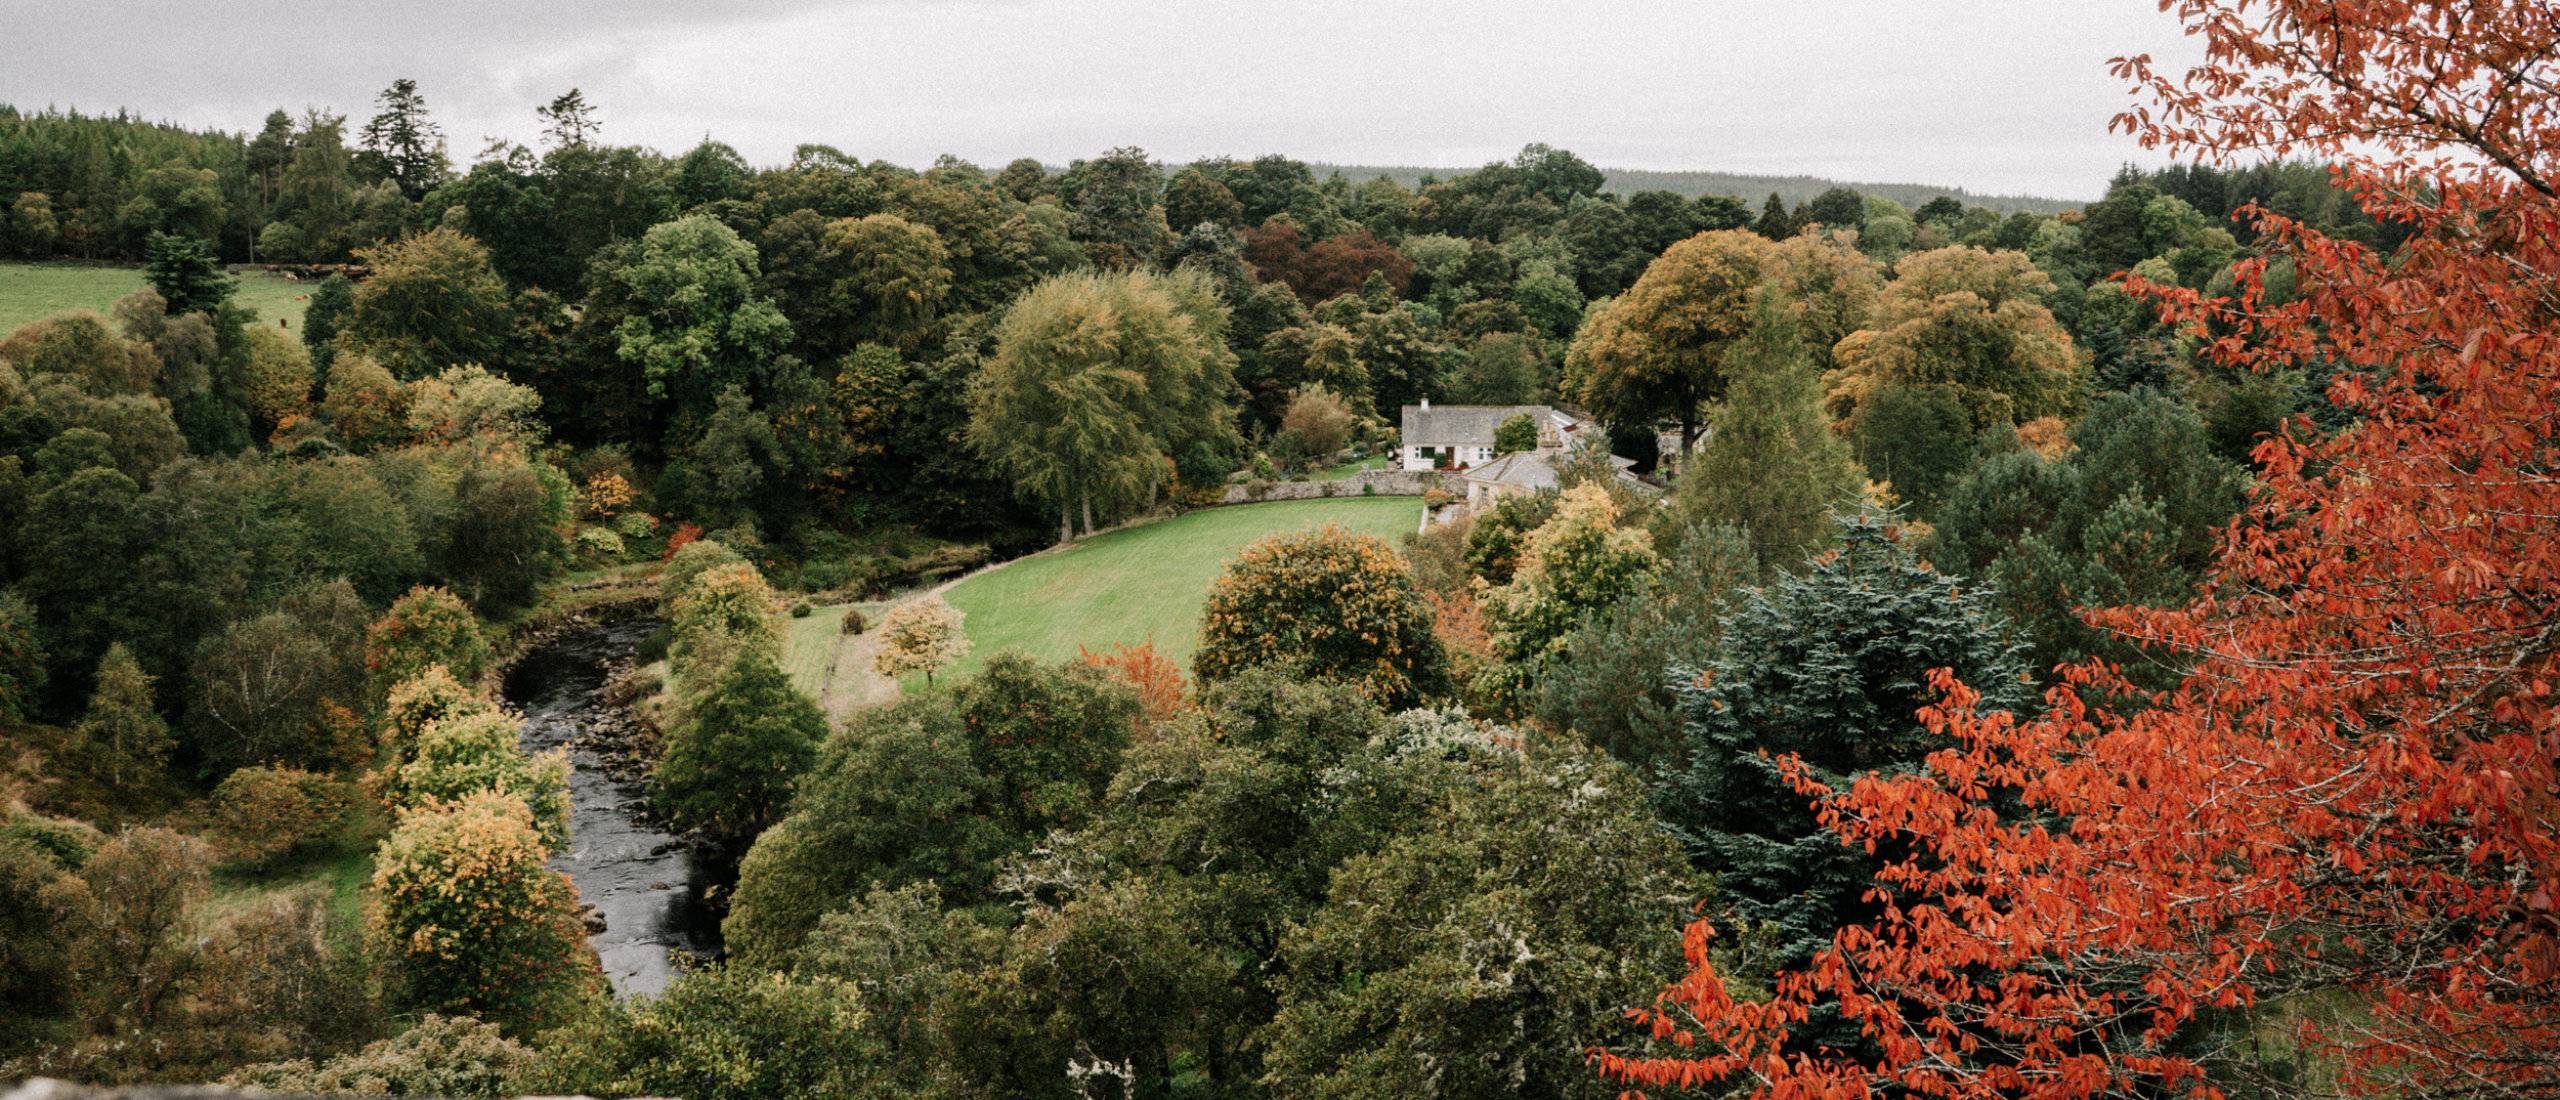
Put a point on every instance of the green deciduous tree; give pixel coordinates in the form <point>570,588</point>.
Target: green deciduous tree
<point>730,765</point>
<point>426,628</point>
<point>1579,561</point>
<point>22,664</point>
<point>1616,692</point>
<point>723,1033</point>
<point>695,324</point>
<point>123,724</point>
<point>933,789</point>
<point>476,750</point>
<point>1484,949</point>
<point>1096,380</point>
<point>1657,352</point>
<point>1972,323</point>
<point>432,302</point>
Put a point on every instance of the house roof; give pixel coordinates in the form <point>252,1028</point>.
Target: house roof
<point>1532,470</point>
<point>1470,423</point>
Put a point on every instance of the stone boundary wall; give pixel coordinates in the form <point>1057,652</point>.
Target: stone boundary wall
<point>1388,483</point>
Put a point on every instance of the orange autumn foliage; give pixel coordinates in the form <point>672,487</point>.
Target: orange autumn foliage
<point>1163,695</point>
<point>2329,862</point>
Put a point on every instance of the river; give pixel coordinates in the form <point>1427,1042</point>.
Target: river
<point>644,881</point>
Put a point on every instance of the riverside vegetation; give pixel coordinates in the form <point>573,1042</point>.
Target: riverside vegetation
<point>2033,679</point>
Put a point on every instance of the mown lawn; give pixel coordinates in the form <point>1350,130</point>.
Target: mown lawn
<point>33,292</point>
<point>1125,587</point>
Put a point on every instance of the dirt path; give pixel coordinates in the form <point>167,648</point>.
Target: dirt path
<point>856,684</point>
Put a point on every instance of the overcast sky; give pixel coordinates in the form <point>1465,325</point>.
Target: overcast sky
<point>1996,96</point>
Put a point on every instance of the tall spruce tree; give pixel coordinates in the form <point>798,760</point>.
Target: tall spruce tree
<point>1831,665</point>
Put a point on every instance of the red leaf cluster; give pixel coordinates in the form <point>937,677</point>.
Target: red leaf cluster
<point>2340,837</point>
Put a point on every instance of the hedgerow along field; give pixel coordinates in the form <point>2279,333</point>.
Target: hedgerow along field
<point>1125,587</point>
<point>33,292</point>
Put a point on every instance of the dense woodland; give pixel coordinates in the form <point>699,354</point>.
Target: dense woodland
<point>1991,536</point>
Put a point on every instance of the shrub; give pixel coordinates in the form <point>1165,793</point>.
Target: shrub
<point>800,609</point>
<point>635,525</point>
<point>470,753</point>
<point>685,535</point>
<point>725,1032</point>
<point>853,622</point>
<point>697,557</point>
<point>1434,499</point>
<point>67,844</point>
<point>425,628</point>
<point>442,1056</point>
<point>260,813</point>
<point>1255,488</point>
<point>466,909</point>
<point>421,701</point>
<point>1368,488</point>
<point>600,541</point>
<point>1328,604</point>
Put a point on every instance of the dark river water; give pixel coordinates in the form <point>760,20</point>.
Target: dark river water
<point>644,881</point>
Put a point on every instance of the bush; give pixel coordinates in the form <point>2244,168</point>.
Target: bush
<point>1255,488</point>
<point>1327,604</point>
<point>722,1033</point>
<point>425,628</point>
<point>635,526</point>
<point>474,921</point>
<point>853,622</point>
<point>66,844</point>
<point>1434,499</point>
<point>260,813</point>
<point>442,1056</point>
<point>696,557</point>
<point>1368,488</point>
<point>800,609</point>
<point>600,541</point>
<point>471,753</point>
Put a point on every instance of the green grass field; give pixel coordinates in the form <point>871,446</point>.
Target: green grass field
<point>33,292</point>
<point>1146,582</point>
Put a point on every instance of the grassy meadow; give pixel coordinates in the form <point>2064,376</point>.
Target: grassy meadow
<point>32,292</point>
<point>1128,586</point>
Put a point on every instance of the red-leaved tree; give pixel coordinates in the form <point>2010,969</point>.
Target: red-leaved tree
<point>2329,863</point>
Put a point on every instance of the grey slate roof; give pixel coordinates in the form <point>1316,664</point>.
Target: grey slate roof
<point>1444,425</point>
<point>1534,470</point>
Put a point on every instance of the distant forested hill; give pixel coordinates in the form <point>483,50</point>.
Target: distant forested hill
<point>1796,190</point>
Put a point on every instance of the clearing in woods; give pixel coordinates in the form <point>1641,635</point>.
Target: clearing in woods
<point>1127,586</point>
<point>33,292</point>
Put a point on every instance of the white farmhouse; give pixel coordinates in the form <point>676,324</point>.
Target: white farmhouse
<point>1462,435</point>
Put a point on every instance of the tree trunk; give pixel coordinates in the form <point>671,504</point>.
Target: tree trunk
<point>1088,511</point>
<point>1066,523</point>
